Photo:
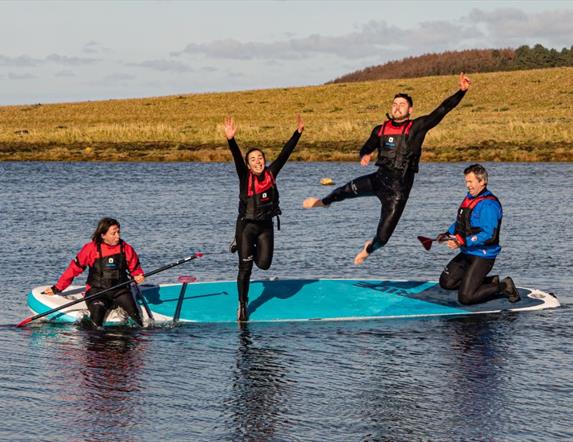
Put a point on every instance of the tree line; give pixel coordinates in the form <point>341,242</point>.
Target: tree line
<point>469,61</point>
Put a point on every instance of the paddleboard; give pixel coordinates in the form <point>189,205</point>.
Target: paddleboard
<point>295,300</point>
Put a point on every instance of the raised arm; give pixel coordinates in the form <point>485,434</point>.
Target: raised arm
<point>288,148</point>
<point>230,131</point>
<point>433,119</point>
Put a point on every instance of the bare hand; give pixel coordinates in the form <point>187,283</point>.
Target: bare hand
<point>464,82</point>
<point>230,127</point>
<point>452,244</point>
<point>48,291</point>
<point>299,123</point>
<point>139,279</point>
<point>365,159</point>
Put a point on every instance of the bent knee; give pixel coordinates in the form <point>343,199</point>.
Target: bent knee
<point>447,283</point>
<point>465,298</point>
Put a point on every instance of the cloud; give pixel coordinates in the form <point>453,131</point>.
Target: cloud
<point>372,39</point>
<point>20,76</point>
<point>93,47</point>
<point>381,39</point>
<point>70,61</point>
<point>65,74</point>
<point>163,66</point>
<point>510,26</point>
<point>22,60</point>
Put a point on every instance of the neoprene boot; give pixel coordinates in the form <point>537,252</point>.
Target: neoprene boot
<point>510,290</point>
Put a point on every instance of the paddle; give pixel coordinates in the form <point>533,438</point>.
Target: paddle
<point>427,242</point>
<point>185,280</point>
<point>96,295</point>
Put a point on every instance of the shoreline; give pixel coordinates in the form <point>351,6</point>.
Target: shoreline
<point>319,152</point>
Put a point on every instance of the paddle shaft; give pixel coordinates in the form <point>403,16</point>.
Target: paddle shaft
<point>96,295</point>
<point>179,303</point>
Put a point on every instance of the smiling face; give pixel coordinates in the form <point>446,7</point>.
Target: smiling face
<point>474,184</point>
<point>401,109</point>
<point>256,162</point>
<point>112,236</point>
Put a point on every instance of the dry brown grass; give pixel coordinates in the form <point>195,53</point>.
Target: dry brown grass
<point>508,116</point>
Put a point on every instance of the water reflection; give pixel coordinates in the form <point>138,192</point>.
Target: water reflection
<point>107,392</point>
<point>260,390</point>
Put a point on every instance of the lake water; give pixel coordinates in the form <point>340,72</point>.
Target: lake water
<point>494,377</point>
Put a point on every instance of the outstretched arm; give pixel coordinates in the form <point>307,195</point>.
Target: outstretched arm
<point>288,148</point>
<point>230,131</point>
<point>433,119</point>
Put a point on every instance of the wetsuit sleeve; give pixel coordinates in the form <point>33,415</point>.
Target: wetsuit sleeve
<point>83,259</point>
<point>238,158</point>
<point>372,143</point>
<point>487,220</point>
<point>427,122</point>
<point>133,263</point>
<point>288,148</point>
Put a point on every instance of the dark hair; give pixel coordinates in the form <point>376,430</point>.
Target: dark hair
<point>405,97</point>
<point>478,170</point>
<point>253,149</point>
<point>103,226</point>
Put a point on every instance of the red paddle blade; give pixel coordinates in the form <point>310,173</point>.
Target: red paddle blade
<point>186,279</point>
<point>426,242</point>
<point>24,322</point>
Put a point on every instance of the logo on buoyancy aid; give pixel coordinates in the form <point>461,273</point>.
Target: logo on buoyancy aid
<point>393,148</point>
<point>262,196</point>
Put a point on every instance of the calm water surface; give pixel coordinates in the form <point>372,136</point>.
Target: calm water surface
<point>496,377</point>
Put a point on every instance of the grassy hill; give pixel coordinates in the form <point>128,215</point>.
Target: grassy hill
<point>507,116</point>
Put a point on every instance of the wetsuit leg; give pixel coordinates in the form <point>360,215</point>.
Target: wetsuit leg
<point>264,245</point>
<point>98,309</point>
<point>451,277</point>
<point>247,237</point>
<point>390,214</point>
<point>392,189</point>
<point>125,301</point>
<point>361,186</point>
<point>475,288</point>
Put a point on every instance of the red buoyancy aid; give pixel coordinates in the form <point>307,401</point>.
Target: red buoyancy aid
<point>463,220</point>
<point>393,149</point>
<point>262,197</point>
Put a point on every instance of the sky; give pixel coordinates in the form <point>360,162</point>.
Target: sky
<point>65,51</point>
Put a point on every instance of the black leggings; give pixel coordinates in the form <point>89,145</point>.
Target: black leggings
<point>100,306</point>
<point>467,274</point>
<point>392,191</point>
<point>255,243</point>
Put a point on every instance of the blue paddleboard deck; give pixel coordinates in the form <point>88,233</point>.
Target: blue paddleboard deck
<point>306,299</point>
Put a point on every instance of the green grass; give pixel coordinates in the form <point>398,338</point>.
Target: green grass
<point>507,116</point>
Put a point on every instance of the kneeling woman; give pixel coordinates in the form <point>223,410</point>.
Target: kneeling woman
<point>258,204</point>
<point>111,261</point>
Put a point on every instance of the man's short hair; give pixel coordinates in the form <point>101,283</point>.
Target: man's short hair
<point>478,170</point>
<point>405,97</point>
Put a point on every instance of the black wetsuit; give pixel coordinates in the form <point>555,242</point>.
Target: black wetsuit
<point>106,272</point>
<point>393,180</point>
<point>255,233</point>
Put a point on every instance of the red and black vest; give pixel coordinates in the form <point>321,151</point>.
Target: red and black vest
<point>393,150</point>
<point>107,271</point>
<point>262,201</point>
<point>463,221</point>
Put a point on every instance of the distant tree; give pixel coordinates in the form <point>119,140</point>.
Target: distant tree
<point>470,60</point>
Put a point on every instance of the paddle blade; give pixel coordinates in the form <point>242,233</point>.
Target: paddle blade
<point>426,242</point>
<point>24,322</point>
<point>186,279</point>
